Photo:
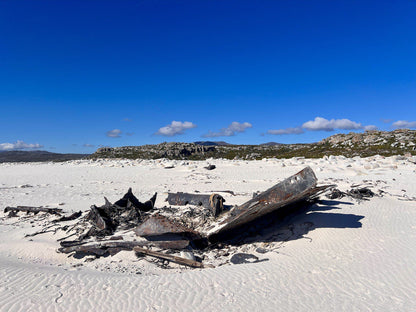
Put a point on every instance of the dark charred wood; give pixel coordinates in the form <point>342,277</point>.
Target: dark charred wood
<point>100,248</point>
<point>35,210</point>
<point>40,232</point>
<point>73,216</point>
<point>176,259</point>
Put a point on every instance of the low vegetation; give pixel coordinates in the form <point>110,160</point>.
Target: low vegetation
<point>352,144</point>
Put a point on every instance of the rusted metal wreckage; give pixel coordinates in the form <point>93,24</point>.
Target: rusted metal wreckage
<point>163,232</point>
<point>299,187</point>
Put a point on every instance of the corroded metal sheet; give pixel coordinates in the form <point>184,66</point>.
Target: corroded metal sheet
<point>213,202</point>
<point>182,199</point>
<point>298,187</point>
<point>158,225</point>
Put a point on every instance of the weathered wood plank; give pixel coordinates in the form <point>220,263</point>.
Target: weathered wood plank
<point>56,211</point>
<point>175,259</point>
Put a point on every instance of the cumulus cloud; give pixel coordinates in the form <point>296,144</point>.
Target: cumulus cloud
<point>296,130</point>
<point>115,133</point>
<point>319,124</point>
<point>18,145</point>
<point>404,124</point>
<point>370,127</point>
<point>231,130</point>
<point>176,127</point>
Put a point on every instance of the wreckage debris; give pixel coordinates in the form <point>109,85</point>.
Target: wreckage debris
<point>129,199</point>
<point>159,228</point>
<point>13,210</point>
<point>73,216</point>
<point>356,193</point>
<point>112,247</point>
<point>125,213</point>
<point>240,258</point>
<point>173,228</point>
<point>176,259</point>
<point>210,167</point>
<point>213,202</point>
<point>298,187</point>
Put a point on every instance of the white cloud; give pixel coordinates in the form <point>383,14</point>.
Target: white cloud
<point>320,124</point>
<point>231,130</point>
<point>18,145</point>
<point>88,145</point>
<point>370,127</point>
<point>176,127</point>
<point>297,130</point>
<point>404,124</point>
<point>115,133</point>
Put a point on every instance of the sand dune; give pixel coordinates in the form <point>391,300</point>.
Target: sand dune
<point>339,255</point>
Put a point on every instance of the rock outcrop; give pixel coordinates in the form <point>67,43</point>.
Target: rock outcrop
<point>352,144</point>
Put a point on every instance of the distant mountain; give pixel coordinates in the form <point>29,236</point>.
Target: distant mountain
<point>36,156</point>
<point>271,143</point>
<point>212,143</point>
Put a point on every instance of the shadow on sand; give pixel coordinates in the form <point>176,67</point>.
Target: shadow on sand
<point>292,222</point>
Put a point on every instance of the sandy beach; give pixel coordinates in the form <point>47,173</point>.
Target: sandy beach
<point>340,254</point>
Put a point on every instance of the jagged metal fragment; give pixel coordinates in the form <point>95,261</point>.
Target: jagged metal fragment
<point>298,187</point>
<point>129,200</point>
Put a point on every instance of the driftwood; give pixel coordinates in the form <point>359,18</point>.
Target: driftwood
<point>40,232</point>
<point>176,259</point>
<point>56,211</point>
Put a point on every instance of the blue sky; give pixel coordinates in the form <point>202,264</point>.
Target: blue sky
<point>77,75</point>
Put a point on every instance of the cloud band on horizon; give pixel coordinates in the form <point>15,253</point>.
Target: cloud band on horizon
<point>323,124</point>
<point>404,124</point>
<point>18,145</point>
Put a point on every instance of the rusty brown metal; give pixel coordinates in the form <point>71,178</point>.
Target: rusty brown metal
<point>298,187</point>
<point>214,202</point>
<point>159,225</point>
<point>182,199</point>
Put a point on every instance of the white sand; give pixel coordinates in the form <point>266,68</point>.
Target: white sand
<point>339,256</point>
